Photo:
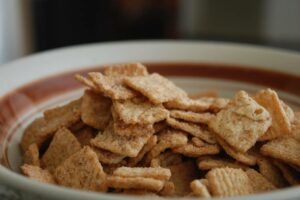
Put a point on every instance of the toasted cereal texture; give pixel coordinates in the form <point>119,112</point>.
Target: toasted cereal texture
<point>87,82</point>
<point>107,157</point>
<point>182,175</point>
<point>168,189</point>
<point>62,146</point>
<point>242,122</point>
<point>166,159</point>
<point>111,86</point>
<point>291,175</point>
<point>95,110</point>
<point>136,192</point>
<point>135,183</point>
<point>244,158</point>
<point>227,182</point>
<point>190,116</point>
<point>129,69</point>
<point>197,142</point>
<point>271,172</point>
<point>110,141</point>
<point>147,172</point>
<point>281,124</point>
<point>199,189</point>
<point>37,173</point>
<point>139,111</point>
<point>146,148</point>
<point>258,182</point>
<point>35,133</point>
<point>211,162</point>
<point>31,155</point>
<point>190,150</point>
<point>286,149</point>
<point>167,139</point>
<point>193,129</point>
<point>82,171</point>
<point>155,87</point>
<point>84,135</point>
<point>188,104</point>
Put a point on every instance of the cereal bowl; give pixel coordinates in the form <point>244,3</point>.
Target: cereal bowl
<point>32,84</point>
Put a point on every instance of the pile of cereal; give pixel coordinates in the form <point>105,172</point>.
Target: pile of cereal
<point>137,133</point>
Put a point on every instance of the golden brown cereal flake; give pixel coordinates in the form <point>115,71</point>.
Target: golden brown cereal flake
<point>130,69</point>
<point>62,146</point>
<point>112,86</point>
<point>182,175</point>
<point>211,162</point>
<point>146,172</point>
<point>108,157</point>
<point>82,171</point>
<point>242,122</point>
<point>31,155</point>
<point>190,116</point>
<point>135,183</point>
<point>155,87</point>
<point>286,149</point>
<point>193,129</point>
<point>167,139</point>
<point>147,147</point>
<point>291,175</point>
<point>281,124</point>
<point>190,150</point>
<point>226,182</point>
<point>258,182</point>
<point>95,110</point>
<point>185,103</point>
<point>271,172</point>
<point>139,111</point>
<point>199,189</point>
<point>244,158</point>
<point>110,141</point>
<point>38,174</point>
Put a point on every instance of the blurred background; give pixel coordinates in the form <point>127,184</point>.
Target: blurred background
<point>29,26</point>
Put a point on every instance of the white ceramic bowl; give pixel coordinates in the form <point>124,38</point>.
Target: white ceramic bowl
<point>225,67</point>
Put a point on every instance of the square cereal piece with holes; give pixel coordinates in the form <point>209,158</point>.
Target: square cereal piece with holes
<point>189,116</point>
<point>191,150</point>
<point>129,69</point>
<point>62,146</point>
<point>271,172</point>
<point>135,183</point>
<point>146,172</point>
<point>227,182</point>
<point>199,189</point>
<point>110,141</point>
<point>84,135</point>
<point>211,162</point>
<point>285,149</point>
<point>31,155</point>
<point>82,171</point>
<point>167,139</point>
<point>146,148</point>
<point>281,125</point>
<point>182,175</point>
<point>155,87</point>
<point>35,133</point>
<point>139,111</point>
<point>65,115</point>
<point>244,158</point>
<point>111,86</point>
<point>242,122</point>
<point>95,110</point>
<point>193,129</point>
<point>108,157</point>
<point>258,182</point>
<point>37,173</point>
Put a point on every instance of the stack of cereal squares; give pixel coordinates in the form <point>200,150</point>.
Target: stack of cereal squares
<point>136,133</point>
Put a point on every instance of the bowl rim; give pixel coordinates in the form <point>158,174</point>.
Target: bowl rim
<point>20,182</point>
